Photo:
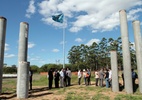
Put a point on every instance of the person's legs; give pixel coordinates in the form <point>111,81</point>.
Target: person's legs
<point>101,82</point>
<point>97,81</point>
<point>30,84</point>
<point>79,81</point>
<point>69,81</point>
<point>85,80</point>
<point>107,82</point>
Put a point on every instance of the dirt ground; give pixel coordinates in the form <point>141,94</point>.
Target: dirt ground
<point>43,93</point>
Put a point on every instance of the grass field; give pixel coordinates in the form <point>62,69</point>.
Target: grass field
<point>75,92</point>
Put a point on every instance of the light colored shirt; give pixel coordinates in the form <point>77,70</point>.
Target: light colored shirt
<point>110,74</point>
<point>84,74</point>
<point>79,74</point>
<point>61,73</point>
<point>69,73</point>
<point>96,74</point>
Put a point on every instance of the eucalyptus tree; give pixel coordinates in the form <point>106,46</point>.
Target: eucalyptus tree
<point>93,56</point>
<point>119,52</point>
<point>133,55</point>
<point>74,54</point>
<point>104,52</point>
<point>117,46</point>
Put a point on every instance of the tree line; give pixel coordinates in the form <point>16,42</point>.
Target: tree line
<point>83,56</point>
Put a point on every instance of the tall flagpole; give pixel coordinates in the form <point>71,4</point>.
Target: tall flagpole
<point>63,43</point>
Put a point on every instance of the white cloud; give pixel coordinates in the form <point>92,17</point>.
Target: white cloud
<point>37,59</point>
<point>55,50</point>
<point>6,47</point>
<point>103,16</point>
<point>31,9</point>
<point>92,41</point>
<point>30,45</point>
<point>132,15</point>
<point>78,40</point>
<point>9,55</point>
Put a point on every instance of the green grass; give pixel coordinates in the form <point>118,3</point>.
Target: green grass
<point>128,97</point>
<point>39,80</point>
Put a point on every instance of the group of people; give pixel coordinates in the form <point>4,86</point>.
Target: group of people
<point>86,76</point>
<point>63,76</point>
<point>100,76</point>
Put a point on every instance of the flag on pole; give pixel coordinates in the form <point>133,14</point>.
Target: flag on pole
<point>58,18</point>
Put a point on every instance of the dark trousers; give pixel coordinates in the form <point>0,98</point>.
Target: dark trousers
<point>56,83</point>
<point>30,83</point>
<point>65,81</point>
<point>101,82</point>
<point>133,82</point>
<point>69,81</point>
<point>87,80</point>
<point>79,79</point>
<point>97,79</point>
<point>50,83</point>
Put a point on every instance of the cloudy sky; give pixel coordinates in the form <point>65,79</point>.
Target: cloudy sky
<point>85,21</point>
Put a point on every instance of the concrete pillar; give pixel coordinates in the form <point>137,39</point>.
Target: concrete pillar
<point>22,51</point>
<point>126,52</point>
<point>23,41</point>
<point>114,68</point>
<point>24,80</point>
<point>2,46</point>
<point>138,46</point>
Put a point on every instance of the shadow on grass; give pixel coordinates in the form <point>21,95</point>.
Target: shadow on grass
<point>5,96</point>
<point>10,95</point>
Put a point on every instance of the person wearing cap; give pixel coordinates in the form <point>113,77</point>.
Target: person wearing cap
<point>84,75</point>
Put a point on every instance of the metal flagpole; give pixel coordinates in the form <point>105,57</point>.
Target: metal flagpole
<point>63,44</point>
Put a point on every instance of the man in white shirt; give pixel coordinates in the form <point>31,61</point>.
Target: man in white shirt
<point>61,78</point>
<point>79,77</point>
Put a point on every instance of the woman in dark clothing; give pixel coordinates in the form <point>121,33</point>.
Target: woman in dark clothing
<point>50,78</point>
<point>56,79</point>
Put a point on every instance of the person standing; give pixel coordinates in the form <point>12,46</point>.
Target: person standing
<point>69,76</point>
<point>65,77</point>
<point>62,78</point>
<point>122,75</point>
<point>50,78</point>
<point>56,78</point>
<point>30,78</point>
<point>88,75</point>
<point>110,77</point>
<point>107,78</point>
<point>79,76</point>
<point>101,77</point>
<point>134,76</point>
<point>96,77</point>
<point>84,75</point>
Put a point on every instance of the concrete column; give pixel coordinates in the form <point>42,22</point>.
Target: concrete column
<point>114,68</point>
<point>126,52</point>
<point>138,46</point>
<point>24,80</point>
<point>23,41</point>
<point>22,51</point>
<point>2,46</point>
